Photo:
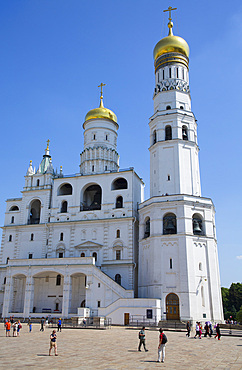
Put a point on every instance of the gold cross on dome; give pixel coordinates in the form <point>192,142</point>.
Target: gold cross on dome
<point>48,144</point>
<point>101,85</point>
<point>169,10</point>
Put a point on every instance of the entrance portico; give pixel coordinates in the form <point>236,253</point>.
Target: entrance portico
<point>57,287</point>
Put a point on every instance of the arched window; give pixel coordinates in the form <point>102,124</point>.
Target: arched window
<point>10,238</point>
<point>119,202</point>
<point>61,236</point>
<point>65,189</point>
<point>4,280</point>
<point>118,254</point>
<point>147,228</point>
<point>64,206</point>
<point>82,254</point>
<point>118,279</point>
<point>12,220</point>
<point>92,198</point>
<point>200,266</point>
<point>118,234</point>
<point>184,133</point>
<point>95,255</point>
<point>7,260</point>
<point>120,183</point>
<point>168,133</point>
<point>34,215</point>
<point>202,295</point>
<point>154,136</point>
<point>37,182</point>
<point>32,237</point>
<point>14,208</point>
<point>58,280</point>
<point>169,224</point>
<point>168,107</point>
<point>197,225</point>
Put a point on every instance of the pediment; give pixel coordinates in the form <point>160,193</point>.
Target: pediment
<point>88,244</point>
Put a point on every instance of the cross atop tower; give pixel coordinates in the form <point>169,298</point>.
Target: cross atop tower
<point>48,144</point>
<point>101,85</point>
<point>169,10</point>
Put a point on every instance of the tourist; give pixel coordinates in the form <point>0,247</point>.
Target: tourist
<point>142,339</point>
<point>188,329</point>
<point>47,322</point>
<point>15,327</point>
<point>30,325</point>
<point>210,329</point>
<point>53,342</point>
<point>200,330</point>
<point>161,346</point>
<point>218,334</point>
<point>197,329</point>
<point>59,324</point>
<point>19,328</point>
<point>206,327</point>
<point>42,323</point>
<point>8,327</point>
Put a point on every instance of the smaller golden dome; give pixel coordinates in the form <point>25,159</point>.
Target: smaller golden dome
<point>101,112</point>
<point>171,44</point>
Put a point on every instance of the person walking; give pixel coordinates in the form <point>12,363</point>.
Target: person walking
<point>206,327</point>
<point>30,325</point>
<point>142,339</point>
<point>188,329</point>
<point>197,329</point>
<point>19,328</point>
<point>59,325</point>
<point>161,346</point>
<point>210,330</point>
<point>42,322</point>
<point>218,334</point>
<point>53,342</point>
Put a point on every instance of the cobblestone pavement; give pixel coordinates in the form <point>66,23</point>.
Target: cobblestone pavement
<point>116,349</point>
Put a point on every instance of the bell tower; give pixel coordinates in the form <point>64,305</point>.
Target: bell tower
<point>178,246</point>
<point>174,166</point>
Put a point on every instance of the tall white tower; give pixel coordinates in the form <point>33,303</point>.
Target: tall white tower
<point>178,248</point>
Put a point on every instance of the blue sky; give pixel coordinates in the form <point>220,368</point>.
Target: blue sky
<point>54,54</point>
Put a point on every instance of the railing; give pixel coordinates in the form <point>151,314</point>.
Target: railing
<point>139,320</point>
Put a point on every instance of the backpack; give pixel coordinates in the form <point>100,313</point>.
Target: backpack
<point>164,339</point>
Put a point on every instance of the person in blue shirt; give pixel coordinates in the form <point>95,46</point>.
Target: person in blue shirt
<point>59,324</point>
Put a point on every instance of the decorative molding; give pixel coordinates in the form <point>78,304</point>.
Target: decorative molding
<point>172,84</point>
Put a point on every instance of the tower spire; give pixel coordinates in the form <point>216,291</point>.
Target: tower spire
<point>170,24</point>
<point>101,97</point>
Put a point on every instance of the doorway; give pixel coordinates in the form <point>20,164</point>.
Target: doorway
<point>126,319</point>
<point>172,307</point>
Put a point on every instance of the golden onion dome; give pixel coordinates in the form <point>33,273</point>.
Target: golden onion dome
<point>101,112</point>
<point>171,44</point>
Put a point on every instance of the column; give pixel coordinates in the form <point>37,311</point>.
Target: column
<point>66,295</point>
<point>7,296</point>
<point>29,296</point>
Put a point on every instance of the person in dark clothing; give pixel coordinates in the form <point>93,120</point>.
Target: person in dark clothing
<point>218,334</point>
<point>142,339</point>
<point>188,329</point>
<point>206,327</point>
<point>42,322</point>
<point>210,330</point>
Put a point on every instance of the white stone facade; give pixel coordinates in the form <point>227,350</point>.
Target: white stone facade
<point>90,240</point>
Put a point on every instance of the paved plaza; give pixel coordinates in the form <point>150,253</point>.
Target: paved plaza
<point>116,348</point>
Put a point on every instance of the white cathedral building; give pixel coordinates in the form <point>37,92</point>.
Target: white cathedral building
<point>91,241</point>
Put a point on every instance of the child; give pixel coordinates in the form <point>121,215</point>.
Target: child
<point>53,342</point>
